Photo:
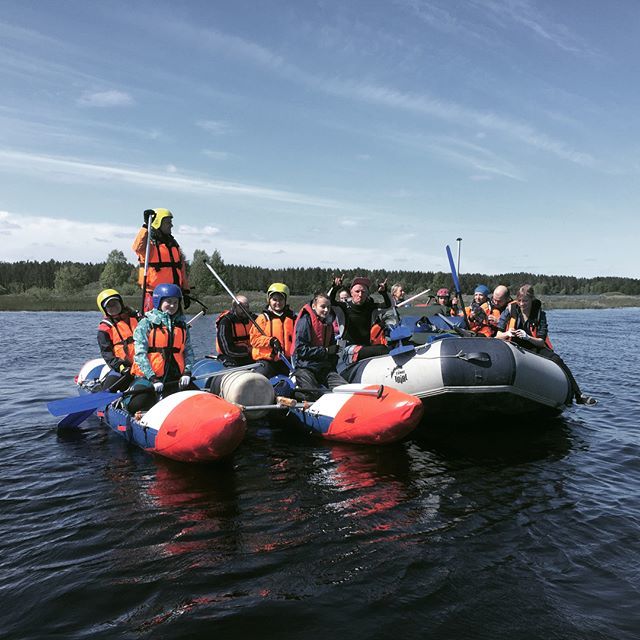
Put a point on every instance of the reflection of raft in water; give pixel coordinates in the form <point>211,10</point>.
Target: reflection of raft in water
<point>467,375</point>
<point>191,426</point>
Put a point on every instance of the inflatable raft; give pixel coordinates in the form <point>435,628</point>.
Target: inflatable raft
<point>469,375</point>
<point>190,426</point>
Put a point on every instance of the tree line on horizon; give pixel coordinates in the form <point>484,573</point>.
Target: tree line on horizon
<point>39,278</point>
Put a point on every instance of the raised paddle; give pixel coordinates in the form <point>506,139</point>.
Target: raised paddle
<point>456,283</point>
<point>255,324</point>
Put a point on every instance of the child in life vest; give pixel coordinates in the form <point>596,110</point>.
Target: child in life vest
<point>273,335</point>
<point>314,355</point>
<point>115,339</point>
<point>163,354</point>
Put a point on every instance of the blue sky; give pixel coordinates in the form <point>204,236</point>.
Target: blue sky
<point>331,133</point>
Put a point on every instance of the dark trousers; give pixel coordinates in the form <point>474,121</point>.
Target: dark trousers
<point>270,368</point>
<point>308,379</point>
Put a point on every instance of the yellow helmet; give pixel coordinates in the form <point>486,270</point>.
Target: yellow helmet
<point>161,214</point>
<point>105,296</point>
<point>278,287</point>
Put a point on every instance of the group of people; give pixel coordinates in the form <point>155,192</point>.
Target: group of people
<point>317,347</point>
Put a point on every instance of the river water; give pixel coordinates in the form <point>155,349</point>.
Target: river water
<point>487,531</point>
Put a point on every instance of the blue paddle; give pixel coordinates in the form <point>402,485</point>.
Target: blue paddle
<point>456,283</point>
<point>81,404</point>
<point>74,420</point>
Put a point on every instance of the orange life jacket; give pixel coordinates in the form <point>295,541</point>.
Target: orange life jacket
<point>164,345</point>
<point>321,332</point>
<point>273,326</point>
<point>239,329</point>
<point>165,265</point>
<point>515,312</point>
<point>120,333</point>
<point>478,325</point>
<point>376,335</point>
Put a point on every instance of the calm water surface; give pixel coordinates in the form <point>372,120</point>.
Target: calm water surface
<point>488,531</point>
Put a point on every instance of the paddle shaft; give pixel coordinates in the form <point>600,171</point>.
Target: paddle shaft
<point>412,298</point>
<point>247,313</point>
<point>146,260</point>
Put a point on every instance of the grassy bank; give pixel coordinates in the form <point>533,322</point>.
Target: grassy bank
<point>56,302</point>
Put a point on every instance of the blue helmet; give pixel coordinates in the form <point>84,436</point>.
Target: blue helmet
<point>483,289</point>
<point>165,291</point>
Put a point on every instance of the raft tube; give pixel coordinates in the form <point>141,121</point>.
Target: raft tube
<point>346,414</point>
<point>190,426</point>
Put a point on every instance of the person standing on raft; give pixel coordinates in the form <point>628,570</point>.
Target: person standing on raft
<point>273,334</point>
<point>167,264</point>
<point>314,354</point>
<point>525,323</point>
<point>163,355</point>
<point>115,338</point>
<point>359,316</point>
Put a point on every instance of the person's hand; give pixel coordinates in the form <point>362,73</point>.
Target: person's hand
<point>186,301</point>
<point>332,349</point>
<point>382,286</point>
<point>184,381</point>
<point>148,213</point>
<point>275,344</point>
<point>338,280</point>
<point>521,333</point>
<point>158,386</point>
<point>453,300</point>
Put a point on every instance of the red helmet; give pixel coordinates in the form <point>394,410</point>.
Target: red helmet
<point>443,293</point>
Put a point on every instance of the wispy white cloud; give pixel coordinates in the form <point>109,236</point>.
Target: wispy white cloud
<point>56,167</point>
<point>216,155</point>
<point>215,127</point>
<point>528,16</point>
<point>110,98</point>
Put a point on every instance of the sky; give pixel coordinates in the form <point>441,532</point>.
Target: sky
<point>367,133</point>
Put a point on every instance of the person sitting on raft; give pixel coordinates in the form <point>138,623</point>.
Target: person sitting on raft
<point>497,303</point>
<point>449,304</point>
<point>163,354</point>
<point>314,355</point>
<point>397,294</point>
<point>167,264</point>
<point>525,323</point>
<point>275,334</point>
<point>115,339</point>
<point>477,312</point>
<point>232,334</point>
<point>359,316</point>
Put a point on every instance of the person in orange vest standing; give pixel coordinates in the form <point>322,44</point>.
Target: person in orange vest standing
<point>115,338</point>
<point>160,258</point>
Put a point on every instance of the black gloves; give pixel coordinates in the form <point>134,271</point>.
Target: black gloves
<point>276,345</point>
<point>147,214</point>
<point>186,300</point>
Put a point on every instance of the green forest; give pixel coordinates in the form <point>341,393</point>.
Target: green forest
<point>43,279</point>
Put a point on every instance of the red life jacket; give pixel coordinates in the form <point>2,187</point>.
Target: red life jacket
<point>163,346</point>
<point>239,330</point>
<point>120,333</point>
<point>321,332</point>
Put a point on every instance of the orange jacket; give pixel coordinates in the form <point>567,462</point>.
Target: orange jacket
<point>166,263</point>
<point>480,325</point>
<point>377,334</point>
<point>273,326</point>
<point>120,334</point>
<point>163,346</point>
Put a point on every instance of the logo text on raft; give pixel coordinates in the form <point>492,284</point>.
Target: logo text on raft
<point>399,375</point>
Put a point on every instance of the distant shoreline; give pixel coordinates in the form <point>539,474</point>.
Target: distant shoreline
<point>216,304</point>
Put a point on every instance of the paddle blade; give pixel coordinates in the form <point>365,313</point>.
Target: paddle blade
<point>81,403</point>
<point>74,420</point>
